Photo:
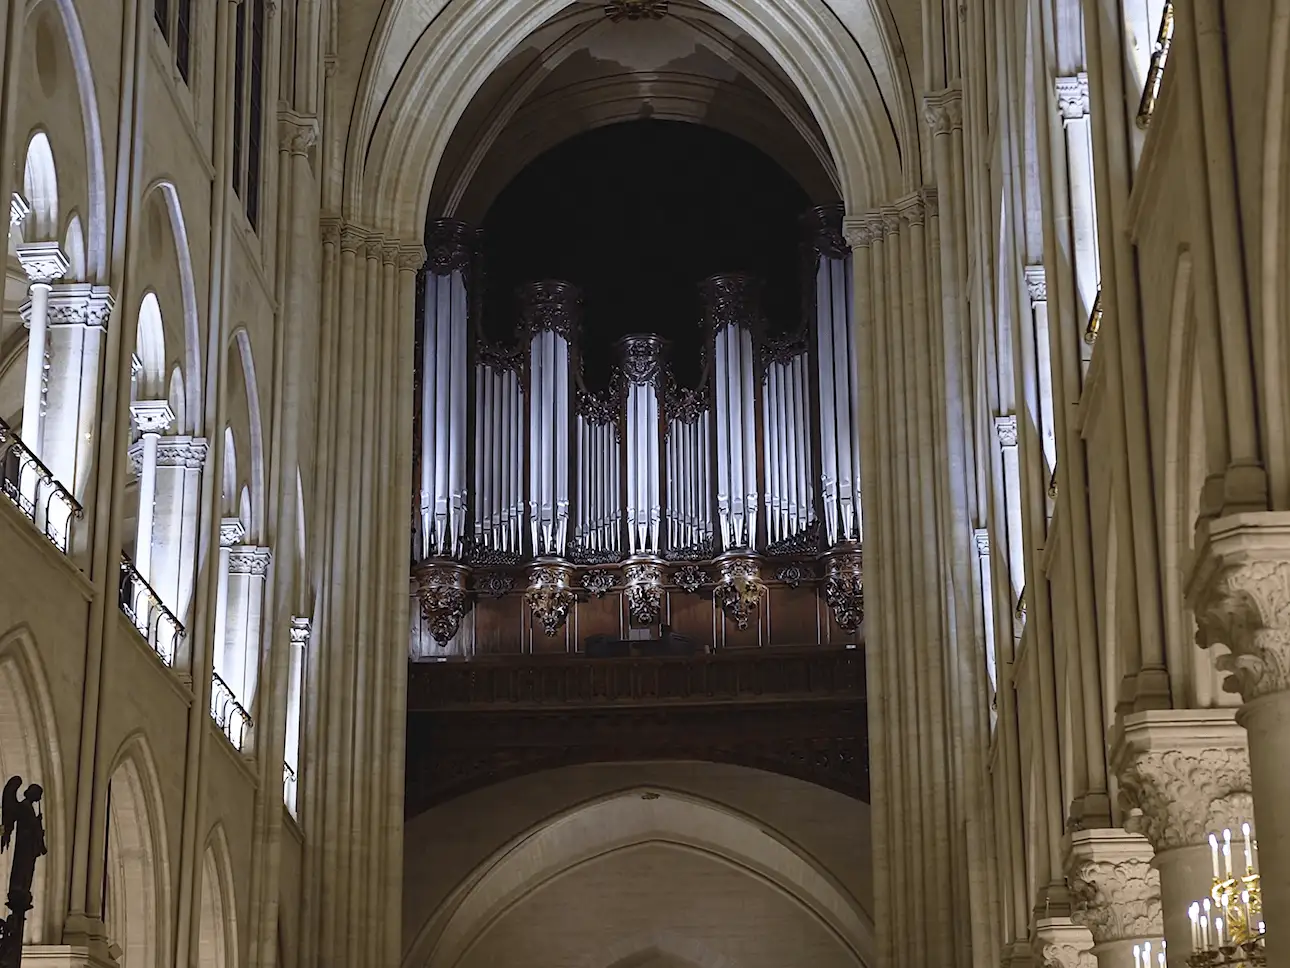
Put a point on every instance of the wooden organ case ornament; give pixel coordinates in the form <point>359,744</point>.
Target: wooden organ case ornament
<point>552,511</point>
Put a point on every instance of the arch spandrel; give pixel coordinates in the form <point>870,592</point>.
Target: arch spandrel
<point>457,46</point>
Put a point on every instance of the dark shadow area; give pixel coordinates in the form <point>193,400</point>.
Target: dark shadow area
<point>636,214</point>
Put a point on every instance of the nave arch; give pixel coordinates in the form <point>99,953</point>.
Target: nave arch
<point>137,900</point>
<point>694,824</point>
<point>411,98</point>
<point>217,919</point>
<point>30,748</point>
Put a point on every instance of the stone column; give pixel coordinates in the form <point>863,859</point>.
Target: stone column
<point>1073,107</point>
<point>231,533</point>
<point>1184,773</point>
<point>152,418</point>
<point>1240,592</point>
<point>177,518</point>
<point>1115,893</point>
<point>301,628</point>
<point>248,569</point>
<point>1006,430</point>
<point>43,262</point>
<point>1060,943</point>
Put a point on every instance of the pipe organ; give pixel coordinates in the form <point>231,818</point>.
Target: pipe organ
<point>539,490</point>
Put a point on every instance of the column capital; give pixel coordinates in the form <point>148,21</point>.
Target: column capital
<point>1060,943</point>
<point>412,257</point>
<point>297,133</point>
<point>352,237</point>
<point>1036,283</point>
<point>18,209</point>
<point>863,230</point>
<point>301,628</point>
<point>249,560</point>
<point>1072,96</point>
<point>231,531</point>
<point>982,538</point>
<point>43,261</point>
<point>943,110</point>
<point>173,451</point>
<point>76,304</point>
<point>1114,888</point>
<point>1183,773</point>
<point>152,416</point>
<point>1006,428</point>
<point>1240,593</point>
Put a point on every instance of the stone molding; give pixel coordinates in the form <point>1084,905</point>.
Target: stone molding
<point>1036,284</point>
<point>173,451</point>
<point>1060,943</point>
<point>18,209</point>
<point>1006,428</point>
<point>231,531</point>
<point>75,304</point>
<point>1115,890</point>
<point>1072,96</point>
<point>943,110</point>
<point>982,538</point>
<point>44,262</point>
<point>1183,773</point>
<point>301,628</point>
<point>297,133</point>
<point>152,416</point>
<point>1240,593</point>
<point>249,560</point>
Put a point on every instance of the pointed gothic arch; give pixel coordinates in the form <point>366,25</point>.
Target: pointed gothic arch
<point>30,748</point>
<point>217,919</point>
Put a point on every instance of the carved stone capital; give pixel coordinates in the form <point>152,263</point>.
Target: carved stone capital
<point>1060,943</point>
<point>1006,428</point>
<point>297,133</point>
<point>75,304</point>
<point>390,254</point>
<point>411,258</point>
<point>931,201</point>
<point>182,451</point>
<point>912,209</point>
<point>352,238</point>
<point>1183,773</point>
<point>374,249</point>
<point>862,230</point>
<point>441,590</point>
<point>18,209</point>
<point>231,531</point>
<point>1240,593</point>
<point>982,538</point>
<point>739,591</point>
<point>844,589</point>
<point>329,229</point>
<point>301,628</point>
<point>152,416</point>
<point>1072,96</point>
<point>1115,891</point>
<point>943,110</point>
<point>1036,284</point>
<point>643,590</point>
<point>549,597</point>
<point>249,560</point>
<point>44,262</point>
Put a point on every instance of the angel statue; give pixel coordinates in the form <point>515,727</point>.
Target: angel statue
<point>22,825</point>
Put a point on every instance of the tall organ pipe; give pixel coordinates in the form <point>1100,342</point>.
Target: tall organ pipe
<point>642,365</point>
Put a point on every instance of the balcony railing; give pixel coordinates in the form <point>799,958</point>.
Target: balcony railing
<point>142,605</point>
<point>229,714</point>
<point>31,486</point>
<point>1156,72</point>
<point>289,787</point>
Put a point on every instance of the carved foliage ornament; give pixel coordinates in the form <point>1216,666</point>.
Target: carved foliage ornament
<point>549,598</point>
<point>730,299</point>
<point>684,404</point>
<point>1058,955</point>
<point>494,584</point>
<point>1247,608</point>
<point>444,602</point>
<point>822,226</point>
<point>1175,797</point>
<point>644,593</point>
<point>943,110</point>
<point>1116,901</point>
<point>551,305</point>
<point>739,592</point>
<point>781,350</point>
<point>642,360</point>
<point>598,582</point>
<point>449,244</point>
<point>844,591</point>
<point>690,578</point>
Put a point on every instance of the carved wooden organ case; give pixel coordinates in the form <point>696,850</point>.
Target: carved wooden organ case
<point>547,515</point>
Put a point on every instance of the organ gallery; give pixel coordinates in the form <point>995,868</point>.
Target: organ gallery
<point>561,510</point>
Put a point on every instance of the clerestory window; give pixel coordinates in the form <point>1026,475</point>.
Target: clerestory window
<point>248,105</point>
<point>175,18</point>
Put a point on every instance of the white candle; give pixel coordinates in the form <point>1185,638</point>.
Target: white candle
<point>1218,931</point>
<point>1227,851</point>
<point>1137,956</point>
<point>1204,923</point>
<point>1249,855</point>
<point>1193,913</point>
<point>1160,958</point>
<point>1213,850</point>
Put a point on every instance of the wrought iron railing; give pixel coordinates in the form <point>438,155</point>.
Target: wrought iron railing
<point>1156,72</point>
<point>143,606</point>
<point>1052,484</point>
<point>289,787</point>
<point>229,714</point>
<point>34,491</point>
<point>1094,320</point>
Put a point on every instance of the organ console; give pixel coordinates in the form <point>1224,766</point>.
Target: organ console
<point>540,496</point>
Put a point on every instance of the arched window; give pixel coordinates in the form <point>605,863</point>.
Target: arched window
<point>248,105</point>
<point>175,22</point>
<point>40,186</point>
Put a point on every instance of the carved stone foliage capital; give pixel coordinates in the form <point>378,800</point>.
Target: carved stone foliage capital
<point>449,246</point>
<point>549,597</point>
<point>643,590</point>
<point>1246,607</point>
<point>44,262</point>
<point>943,110</point>
<point>1054,954</point>
<point>1072,96</point>
<point>301,629</point>
<point>552,305</point>
<point>186,452</point>
<point>352,238</point>
<point>411,258</point>
<point>1175,797</point>
<point>1006,428</point>
<point>297,133</point>
<point>75,304</point>
<point>18,209</point>
<point>1036,283</point>
<point>844,590</point>
<point>739,591</point>
<point>441,592</point>
<point>1116,900</point>
<point>247,560</point>
<point>231,531</point>
<point>982,538</point>
<point>152,416</point>
<point>730,299</point>
<point>862,230</point>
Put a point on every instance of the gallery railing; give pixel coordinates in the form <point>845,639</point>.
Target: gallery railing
<point>229,714</point>
<point>142,605</point>
<point>34,491</point>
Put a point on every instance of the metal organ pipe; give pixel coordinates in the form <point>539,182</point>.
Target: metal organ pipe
<point>642,364</point>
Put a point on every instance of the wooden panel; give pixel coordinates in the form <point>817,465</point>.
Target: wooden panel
<point>793,615</point>
<point>499,623</point>
<point>597,616</point>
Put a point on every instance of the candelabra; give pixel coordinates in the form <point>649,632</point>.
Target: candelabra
<point>1227,927</point>
<point>1143,957</point>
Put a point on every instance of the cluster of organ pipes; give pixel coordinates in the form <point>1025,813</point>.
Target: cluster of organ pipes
<point>761,456</point>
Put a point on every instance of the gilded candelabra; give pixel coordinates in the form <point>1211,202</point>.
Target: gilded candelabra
<point>1227,927</point>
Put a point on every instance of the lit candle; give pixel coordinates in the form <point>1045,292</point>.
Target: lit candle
<point>1146,954</point>
<point>1204,924</point>
<point>1249,855</point>
<point>1137,956</point>
<point>1218,931</point>
<point>1245,907</point>
<point>1213,850</point>
<point>1193,913</point>
<point>1160,958</point>
<point>1227,851</point>
<point>1260,927</point>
